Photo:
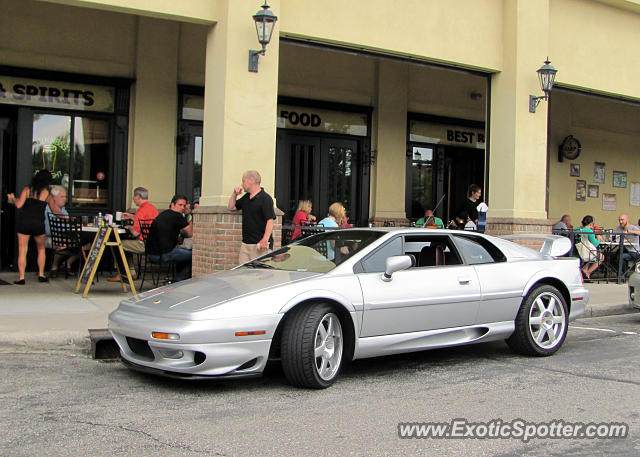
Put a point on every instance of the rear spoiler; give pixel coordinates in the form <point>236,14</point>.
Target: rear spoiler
<point>552,245</point>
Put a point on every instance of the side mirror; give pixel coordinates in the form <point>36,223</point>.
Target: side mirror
<point>397,263</point>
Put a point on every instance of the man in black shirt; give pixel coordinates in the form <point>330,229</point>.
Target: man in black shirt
<point>471,203</point>
<point>258,216</point>
<point>163,238</point>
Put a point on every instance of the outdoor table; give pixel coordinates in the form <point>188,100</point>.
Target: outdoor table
<point>94,229</point>
<point>612,249</point>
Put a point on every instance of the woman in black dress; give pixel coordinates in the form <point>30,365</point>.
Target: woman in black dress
<point>30,221</point>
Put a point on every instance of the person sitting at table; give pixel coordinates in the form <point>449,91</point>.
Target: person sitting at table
<point>429,219</point>
<point>303,216</point>
<point>163,238</point>
<point>56,207</point>
<point>145,211</point>
<point>631,251</point>
<point>344,223</point>
<point>563,226</point>
<point>187,243</point>
<point>590,255</point>
<point>336,215</point>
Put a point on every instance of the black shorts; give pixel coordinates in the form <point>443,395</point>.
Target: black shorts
<point>30,226</point>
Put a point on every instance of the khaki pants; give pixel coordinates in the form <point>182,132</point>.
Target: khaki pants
<point>134,246</point>
<point>250,252</point>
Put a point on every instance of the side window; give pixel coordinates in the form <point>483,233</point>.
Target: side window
<point>473,252</point>
<point>376,261</point>
<point>431,251</point>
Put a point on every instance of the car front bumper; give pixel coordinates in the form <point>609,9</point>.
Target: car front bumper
<point>204,348</point>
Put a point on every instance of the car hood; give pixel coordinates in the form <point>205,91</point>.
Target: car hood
<point>183,299</point>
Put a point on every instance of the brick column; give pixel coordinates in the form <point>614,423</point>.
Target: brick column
<point>519,226</point>
<point>396,221</point>
<point>217,235</point>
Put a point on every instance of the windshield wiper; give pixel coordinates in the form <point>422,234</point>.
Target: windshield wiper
<point>257,264</point>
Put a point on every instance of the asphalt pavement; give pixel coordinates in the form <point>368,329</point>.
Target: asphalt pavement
<point>41,314</point>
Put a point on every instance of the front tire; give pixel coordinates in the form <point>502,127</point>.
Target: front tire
<point>541,323</point>
<point>312,346</point>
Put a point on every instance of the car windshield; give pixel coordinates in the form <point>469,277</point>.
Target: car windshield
<point>318,253</point>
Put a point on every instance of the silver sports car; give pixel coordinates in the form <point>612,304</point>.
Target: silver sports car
<point>351,294</point>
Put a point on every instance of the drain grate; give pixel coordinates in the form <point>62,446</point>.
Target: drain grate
<point>103,346</point>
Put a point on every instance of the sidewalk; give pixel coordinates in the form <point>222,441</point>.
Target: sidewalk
<point>51,314</point>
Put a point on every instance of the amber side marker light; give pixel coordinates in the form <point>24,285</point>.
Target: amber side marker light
<point>254,332</point>
<point>165,336</point>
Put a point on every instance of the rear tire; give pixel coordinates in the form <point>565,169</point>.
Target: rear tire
<point>541,323</point>
<point>312,346</point>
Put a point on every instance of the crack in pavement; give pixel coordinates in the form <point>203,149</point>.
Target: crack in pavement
<point>149,435</point>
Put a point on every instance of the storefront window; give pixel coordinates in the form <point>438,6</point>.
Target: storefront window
<point>90,162</point>
<point>51,145</point>
<point>85,173</point>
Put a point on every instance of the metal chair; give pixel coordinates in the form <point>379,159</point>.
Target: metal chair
<point>157,268</point>
<point>66,237</point>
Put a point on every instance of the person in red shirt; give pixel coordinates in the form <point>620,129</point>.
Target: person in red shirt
<point>146,211</point>
<point>303,216</point>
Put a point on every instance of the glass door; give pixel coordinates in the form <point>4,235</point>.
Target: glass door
<point>421,180</point>
<point>189,161</point>
<point>324,169</point>
<point>297,163</point>
<point>339,177</point>
<point>7,186</point>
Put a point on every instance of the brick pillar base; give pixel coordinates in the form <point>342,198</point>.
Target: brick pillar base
<point>394,222</point>
<point>217,235</point>
<point>519,226</point>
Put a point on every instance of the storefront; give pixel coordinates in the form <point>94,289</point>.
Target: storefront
<point>412,122</point>
<point>594,145</point>
<point>322,155</point>
<point>76,127</point>
<point>444,156</point>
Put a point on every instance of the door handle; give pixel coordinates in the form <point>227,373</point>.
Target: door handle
<point>464,281</point>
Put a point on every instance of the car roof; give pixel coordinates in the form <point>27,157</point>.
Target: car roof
<point>509,248</point>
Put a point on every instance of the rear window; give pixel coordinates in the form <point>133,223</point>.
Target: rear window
<point>477,250</point>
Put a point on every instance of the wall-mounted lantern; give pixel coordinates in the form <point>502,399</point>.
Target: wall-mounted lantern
<point>546,75</point>
<point>265,20</point>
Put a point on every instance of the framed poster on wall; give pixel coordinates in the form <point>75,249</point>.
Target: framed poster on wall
<point>581,190</point>
<point>609,202</point>
<point>634,198</point>
<point>620,179</point>
<point>594,191</point>
<point>598,173</point>
<point>574,170</point>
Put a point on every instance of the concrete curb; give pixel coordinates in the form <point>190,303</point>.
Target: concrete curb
<point>609,310</point>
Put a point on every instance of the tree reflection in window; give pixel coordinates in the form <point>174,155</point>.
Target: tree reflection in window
<point>85,173</point>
